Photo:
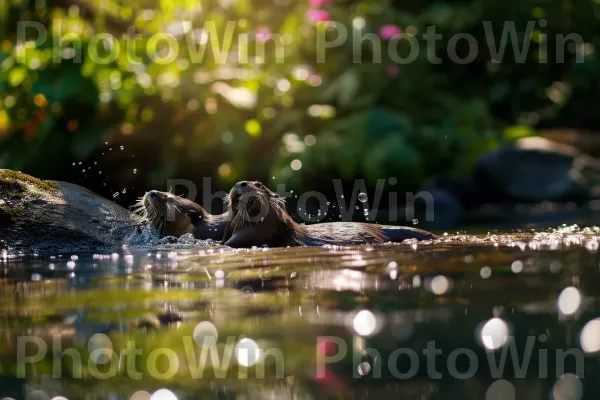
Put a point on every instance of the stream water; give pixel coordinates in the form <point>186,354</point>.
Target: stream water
<point>504,316</point>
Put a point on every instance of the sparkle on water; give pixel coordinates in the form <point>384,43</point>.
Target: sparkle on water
<point>244,304</point>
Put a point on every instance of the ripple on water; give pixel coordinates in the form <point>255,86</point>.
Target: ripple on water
<point>459,291</point>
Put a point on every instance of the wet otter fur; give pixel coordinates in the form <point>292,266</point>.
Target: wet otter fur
<point>257,217</point>
<point>175,216</point>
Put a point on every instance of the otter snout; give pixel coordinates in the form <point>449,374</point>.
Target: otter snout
<point>242,187</point>
<point>154,197</point>
<point>239,189</point>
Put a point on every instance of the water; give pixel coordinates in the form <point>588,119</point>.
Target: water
<point>276,320</point>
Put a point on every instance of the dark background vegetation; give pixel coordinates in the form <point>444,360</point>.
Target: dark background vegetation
<point>123,128</point>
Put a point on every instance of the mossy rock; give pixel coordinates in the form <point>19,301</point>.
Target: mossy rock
<point>59,216</point>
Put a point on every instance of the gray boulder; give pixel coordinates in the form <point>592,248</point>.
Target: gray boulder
<point>58,216</point>
<point>536,169</point>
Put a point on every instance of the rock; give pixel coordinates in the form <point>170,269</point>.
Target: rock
<point>58,216</point>
<point>536,169</point>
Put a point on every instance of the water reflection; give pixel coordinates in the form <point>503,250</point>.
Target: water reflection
<point>370,302</point>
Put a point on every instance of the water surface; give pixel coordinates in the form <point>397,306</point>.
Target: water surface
<point>147,321</point>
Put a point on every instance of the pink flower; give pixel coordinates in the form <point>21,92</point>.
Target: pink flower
<point>319,3</point>
<point>262,34</point>
<point>393,70</point>
<point>388,32</point>
<point>317,16</point>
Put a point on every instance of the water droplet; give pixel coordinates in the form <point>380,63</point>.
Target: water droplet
<point>73,164</point>
<point>106,143</point>
<point>415,221</point>
<point>366,212</point>
<point>342,196</point>
<point>362,197</point>
<point>356,207</point>
<point>328,203</point>
<point>99,172</point>
<point>135,171</point>
<point>83,170</point>
<point>122,147</point>
<point>364,368</point>
<point>115,194</point>
<point>124,191</point>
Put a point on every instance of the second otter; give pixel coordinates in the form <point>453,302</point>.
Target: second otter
<point>257,217</point>
<point>175,216</point>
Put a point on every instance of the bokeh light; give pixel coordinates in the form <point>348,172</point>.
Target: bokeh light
<point>37,395</point>
<point>569,301</point>
<point>567,387</point>
<point>247,352</point>
<point>485,272</point>
<point>141,395</point>
<point>205,334</point>
<point>500,390</point>
<point>163,394</point>
<point>494,333</point>
<point>516,266</point>
<point>590,336</point>
<point>440,285</point>
<point>364,323</point>
<point>101,348</point>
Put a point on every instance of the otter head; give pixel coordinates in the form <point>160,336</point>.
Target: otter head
<point>257,217</point>
<point>172,215</point>
<point>252,203</point>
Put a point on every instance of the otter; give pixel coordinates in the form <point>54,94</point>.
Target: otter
<point>257,217</point>
<point>175,216</point>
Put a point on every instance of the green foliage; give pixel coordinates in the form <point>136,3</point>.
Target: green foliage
<point>246,111</point>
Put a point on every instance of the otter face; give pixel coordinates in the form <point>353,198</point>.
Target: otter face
<point>170,214</point>
<point>252,201</point>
